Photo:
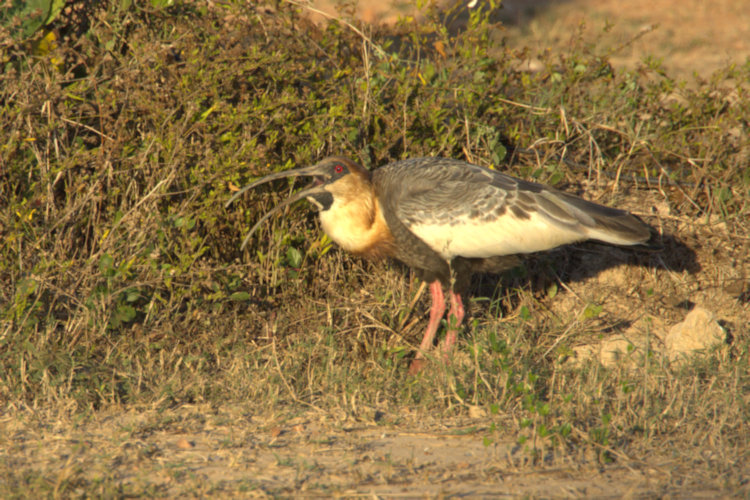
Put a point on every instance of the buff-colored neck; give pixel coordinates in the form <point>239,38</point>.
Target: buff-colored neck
<point>355,219</point>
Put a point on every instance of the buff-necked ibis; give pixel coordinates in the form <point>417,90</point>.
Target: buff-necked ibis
<point>447,219</point>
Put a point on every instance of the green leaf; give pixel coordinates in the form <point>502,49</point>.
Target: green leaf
<point>525,313</point>
<point>123,314</point>
<point>106,263</point>
<point>499,152</point>
<point>592,311</point>
<point>294,257</point>
<point>555,178</point>
<point>239,296</point>
<point>161,4</point>
<point>23,18</point>
<point>26,287</point>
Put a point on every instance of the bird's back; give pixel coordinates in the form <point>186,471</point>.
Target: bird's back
<point>464,210</point>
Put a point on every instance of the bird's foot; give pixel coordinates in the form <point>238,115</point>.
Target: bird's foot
<point>447,352</point>
<point>417,365</point>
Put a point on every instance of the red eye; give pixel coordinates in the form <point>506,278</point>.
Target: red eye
<point>338,169</point>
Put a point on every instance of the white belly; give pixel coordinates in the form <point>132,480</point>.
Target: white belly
<point>506,235</point>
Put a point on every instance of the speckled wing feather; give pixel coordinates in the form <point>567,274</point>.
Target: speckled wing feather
<point>460,209</point>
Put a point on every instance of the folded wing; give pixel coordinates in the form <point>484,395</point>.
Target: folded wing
<point>459,209</point>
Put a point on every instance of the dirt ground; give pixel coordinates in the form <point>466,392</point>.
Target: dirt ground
<point>688,36</point>
<point>199,451</point>
<point>196,451</point>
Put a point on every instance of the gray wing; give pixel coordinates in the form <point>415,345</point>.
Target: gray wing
<point>460,209</point>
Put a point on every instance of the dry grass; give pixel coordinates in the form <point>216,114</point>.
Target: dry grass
<point>143,354</point>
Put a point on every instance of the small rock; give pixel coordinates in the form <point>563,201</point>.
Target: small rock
<point>184,444</point>
<point>609,352</point>
<point>698,331</point>
<point>532,66</point>
<point>477,412</point>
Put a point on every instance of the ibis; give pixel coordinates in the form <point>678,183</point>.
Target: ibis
<point>448,219</point>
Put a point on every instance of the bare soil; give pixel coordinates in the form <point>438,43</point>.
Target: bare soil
<point>195,451</point>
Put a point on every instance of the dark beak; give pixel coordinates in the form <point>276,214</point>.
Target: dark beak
<point>315,170</point>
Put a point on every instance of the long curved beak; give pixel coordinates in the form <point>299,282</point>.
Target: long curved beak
<point>297,172</point>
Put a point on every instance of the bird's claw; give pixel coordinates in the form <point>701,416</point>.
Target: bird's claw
<point>417,365</point>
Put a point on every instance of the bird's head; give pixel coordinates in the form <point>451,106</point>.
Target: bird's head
<point>333,177</point>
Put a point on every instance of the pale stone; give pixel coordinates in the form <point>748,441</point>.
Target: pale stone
<point>609,352</point>
<point>698,331</point>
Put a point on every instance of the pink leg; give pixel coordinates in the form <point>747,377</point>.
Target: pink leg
<point>436,314</point>
<point>455,317</point>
